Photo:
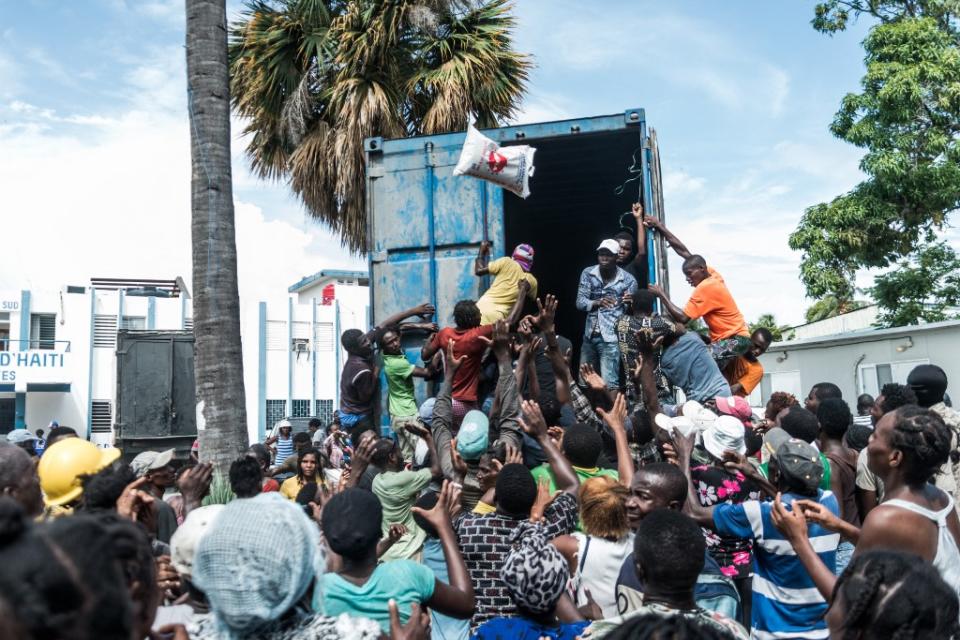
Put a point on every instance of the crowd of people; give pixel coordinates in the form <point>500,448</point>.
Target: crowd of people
<point>634,496</point>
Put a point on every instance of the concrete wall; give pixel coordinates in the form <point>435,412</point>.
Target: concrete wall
<point>854,363</point>
<point>89,371</point>
<point>288,375</point>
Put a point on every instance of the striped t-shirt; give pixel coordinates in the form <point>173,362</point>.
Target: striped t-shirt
<point>284,449</point>
<point>786,603</point>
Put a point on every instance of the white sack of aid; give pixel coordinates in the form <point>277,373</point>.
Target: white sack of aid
<point>509,167</point>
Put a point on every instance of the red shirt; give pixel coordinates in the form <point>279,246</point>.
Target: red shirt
<point>465,343</point>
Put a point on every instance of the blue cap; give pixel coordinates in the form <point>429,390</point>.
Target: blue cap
<point>473,437</point>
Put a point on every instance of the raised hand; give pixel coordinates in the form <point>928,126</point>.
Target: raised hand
<point>194,484</point>
<point>792,523</point>
<point>556,435</point>
<point>616,418</point>
<point>419,431</point>
<point>592,378</point>
<point>637,211</point>
<point>544,498</point>
<point>459,466</point>
<point>426,310</point>
<point>532,421</point>
<point>417,627</point>
<point>395,532</point>
<point>439,515</point>
<point>548,313</point>
<point>131,502</point>
<point>451,362</point>
<point>651,223</point>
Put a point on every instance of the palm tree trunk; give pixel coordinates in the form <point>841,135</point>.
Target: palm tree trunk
<point>218,363</point>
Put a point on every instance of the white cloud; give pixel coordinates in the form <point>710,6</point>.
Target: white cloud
<point>118,203</point>
<point>677,182</point>
<point>680,51</point>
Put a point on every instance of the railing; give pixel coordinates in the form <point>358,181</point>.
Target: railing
<point>35,344</point>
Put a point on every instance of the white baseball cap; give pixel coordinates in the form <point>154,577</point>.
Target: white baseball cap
<point>610,245</point>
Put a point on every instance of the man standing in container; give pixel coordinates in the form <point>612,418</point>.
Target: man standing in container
<point>710,300</point>
<point>508,284</point>
<point>605,293</point>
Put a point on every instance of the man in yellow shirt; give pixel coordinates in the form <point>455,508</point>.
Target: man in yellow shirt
<point>510,275</point>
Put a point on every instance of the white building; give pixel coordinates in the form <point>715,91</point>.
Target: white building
<point>293,367</point>
<point>58,349</point>
<point>860,361</point>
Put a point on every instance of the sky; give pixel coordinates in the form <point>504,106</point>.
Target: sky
<point>95,159</point>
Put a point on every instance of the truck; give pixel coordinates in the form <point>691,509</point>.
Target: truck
<point>156,393</point>
<point>425,225</point>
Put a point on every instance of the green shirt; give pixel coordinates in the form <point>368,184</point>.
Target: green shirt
<point>544,471</point>
<point>405,581</point>
<point>399,374</point>
<point>397,492</point>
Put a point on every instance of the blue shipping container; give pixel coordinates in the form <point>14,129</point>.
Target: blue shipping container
<point>425,224</point>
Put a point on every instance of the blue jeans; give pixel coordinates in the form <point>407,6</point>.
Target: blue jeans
<point>844,555</point>
<point>604,357</point>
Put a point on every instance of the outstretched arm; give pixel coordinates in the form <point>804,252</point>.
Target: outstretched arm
<point>483,259</point>
<point>535,426</point>
<point>673,309</point>
<point>616,419</point>
<point>684,448</point>
<point>425,309</point>
<point>793,524</point>
<point>641,234</point>
<point>652,223</point>
<point>513,318</point>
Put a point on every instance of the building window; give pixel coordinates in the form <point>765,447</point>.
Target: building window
<point>4,331</point>
<point>277,335</point>
<point>43,330</point>
<point>300,409</point>
<point>101,416</point>
<point>276,411</point>
<point>105,331</point>
<point>324,411</point>
<point>872,377</point>
<point>133,323</point>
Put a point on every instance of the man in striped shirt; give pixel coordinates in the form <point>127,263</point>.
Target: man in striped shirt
<point>786,602</point>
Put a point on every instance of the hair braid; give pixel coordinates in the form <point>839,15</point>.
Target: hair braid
<point>858,607</point>
<point>895,595</point>
<point>924,439</point>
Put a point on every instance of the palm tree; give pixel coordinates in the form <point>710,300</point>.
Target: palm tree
<point>768,321</point>
<point>313,78</point>
<point>218,363</point>
<point>830,306</point>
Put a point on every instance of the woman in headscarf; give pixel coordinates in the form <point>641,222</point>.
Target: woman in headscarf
<point>256,565</point>
<point>536,576</point>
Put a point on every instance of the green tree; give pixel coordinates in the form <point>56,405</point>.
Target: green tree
<point>924,288</point>
<point>768,321</point>
<point>907,118</point>
<point>830,306</point>
<point>218,359</point>
<point>313,78</point>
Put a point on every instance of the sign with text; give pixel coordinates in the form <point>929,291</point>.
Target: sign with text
<point>20,365</point>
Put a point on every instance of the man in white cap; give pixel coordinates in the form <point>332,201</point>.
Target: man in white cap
<point>605,293</point>
<point>156,468</point>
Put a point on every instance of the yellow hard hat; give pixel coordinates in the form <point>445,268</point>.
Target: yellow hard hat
<point>62,465</point>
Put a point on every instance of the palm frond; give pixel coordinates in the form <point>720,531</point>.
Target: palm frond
<point>313,78</point>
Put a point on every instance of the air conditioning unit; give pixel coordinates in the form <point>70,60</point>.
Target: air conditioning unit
<point>300,345</point>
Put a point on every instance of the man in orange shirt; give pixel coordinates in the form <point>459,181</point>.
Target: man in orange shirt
<point>746,372</point>
<point>710,300</point>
